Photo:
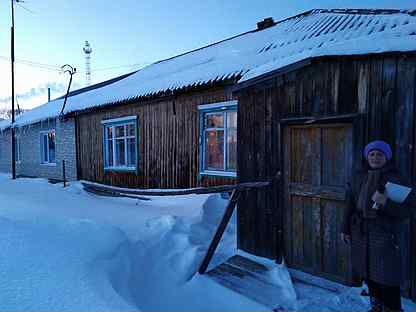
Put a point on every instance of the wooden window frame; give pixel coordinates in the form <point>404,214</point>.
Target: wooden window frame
<point>212,109</point>
<point>43,161</point>
<point>113,123</point>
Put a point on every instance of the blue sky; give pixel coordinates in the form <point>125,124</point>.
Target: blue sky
<point>126,35</point>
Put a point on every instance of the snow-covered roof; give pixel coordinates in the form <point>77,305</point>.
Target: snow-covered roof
<point>249,55</point>
<point>337,32</point>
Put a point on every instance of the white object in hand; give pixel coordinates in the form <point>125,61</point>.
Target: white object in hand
<point>376,205</point>
<point>396,192</point>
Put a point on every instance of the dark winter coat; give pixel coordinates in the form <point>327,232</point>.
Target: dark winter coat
<point>378,247</point>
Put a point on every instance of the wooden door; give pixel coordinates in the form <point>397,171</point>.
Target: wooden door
<point>317,167</point>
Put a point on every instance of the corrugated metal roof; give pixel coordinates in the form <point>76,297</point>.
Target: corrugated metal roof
<point>337,32</point>
<point>249,55</point>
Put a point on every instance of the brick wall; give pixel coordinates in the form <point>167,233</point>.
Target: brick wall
<point>30,164</point>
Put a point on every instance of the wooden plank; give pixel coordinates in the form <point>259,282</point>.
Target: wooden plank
<point>219,232</point>
<point>405,141</point>
<point>375,112</point>
<point>348,92</point>
<point>334,78</point>
<point>287,210</point>
<point>277,161</point>
<point>318,191</point>
<point>388,100</point>
<point>318,100</point>
<point>363,87</point>
<point>308,232</point>
<point>333,156</point>
<point>329,237</point>
<point>405,113</point>
<point>247,264</point>
<point>241,160</point>
<point>316,239</point>
<point>245,154</point>
<point>247,284</point>
<point>262,240</point>
<point>297,246</point>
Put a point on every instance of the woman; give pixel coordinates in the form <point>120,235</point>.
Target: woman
<point>373,225</point>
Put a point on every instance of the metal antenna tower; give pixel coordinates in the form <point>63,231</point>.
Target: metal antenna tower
<point>87,50</point>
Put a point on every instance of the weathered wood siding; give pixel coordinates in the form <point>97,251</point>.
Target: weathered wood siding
<point>168,143</point>
<point>379,89</point>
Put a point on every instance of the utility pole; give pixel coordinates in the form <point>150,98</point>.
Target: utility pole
<point>12,64</point>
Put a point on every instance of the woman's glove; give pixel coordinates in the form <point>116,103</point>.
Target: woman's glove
<point>379,198</point>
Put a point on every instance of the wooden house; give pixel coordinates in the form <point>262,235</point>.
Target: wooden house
<point>172,124</point>
<point>339,79</point>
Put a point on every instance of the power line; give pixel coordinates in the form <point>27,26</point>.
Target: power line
<point>23,7</point>
<point>58,68</point>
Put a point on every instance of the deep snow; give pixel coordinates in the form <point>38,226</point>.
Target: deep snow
<point>65,250</point>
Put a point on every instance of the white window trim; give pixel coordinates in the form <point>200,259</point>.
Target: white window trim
<point>232,174</point>
<point>219,105</point>
<point>113,125</point>
<point>119,120</point>
<point>42,162</point>
<point>224,173</point>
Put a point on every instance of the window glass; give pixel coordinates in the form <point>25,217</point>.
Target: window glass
<point>109,132</point>
<point>45,148</point>
<point>51,145</point>
<point>232,119</point>
<point>119,131</point>
<point>120,152</point>
<point>110,153</point>
<point>214,120</point>
<point>120,145</point>
<point>214,150</point>
<point>232,149</point>
<point>220,141</point>
<point>131,130</point>
<point>131,152</point>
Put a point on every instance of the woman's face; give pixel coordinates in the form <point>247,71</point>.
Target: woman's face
<point>376,159</point>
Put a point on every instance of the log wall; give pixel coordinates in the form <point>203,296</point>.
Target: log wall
<point>168,142</point>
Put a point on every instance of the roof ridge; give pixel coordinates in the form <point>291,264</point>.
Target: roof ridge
<point>366,11</point>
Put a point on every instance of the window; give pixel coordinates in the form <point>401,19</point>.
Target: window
<point>219,139</point>
<point>17,149</point>
<point>48,149</point>
<point>120,145</point>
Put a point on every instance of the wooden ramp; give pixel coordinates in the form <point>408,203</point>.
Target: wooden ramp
<point>247,278</point>
<point>251,279</point>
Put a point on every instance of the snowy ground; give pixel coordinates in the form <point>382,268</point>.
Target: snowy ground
<point>66,250</point>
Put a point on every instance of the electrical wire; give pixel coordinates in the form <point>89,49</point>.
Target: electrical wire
<point>58,68</point>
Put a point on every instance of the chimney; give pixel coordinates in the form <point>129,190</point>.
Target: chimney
<point>266,23</point>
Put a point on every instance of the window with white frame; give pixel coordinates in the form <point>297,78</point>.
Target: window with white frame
<point>120,144</point>
<point>48,147</point>
<point>219,139</point>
